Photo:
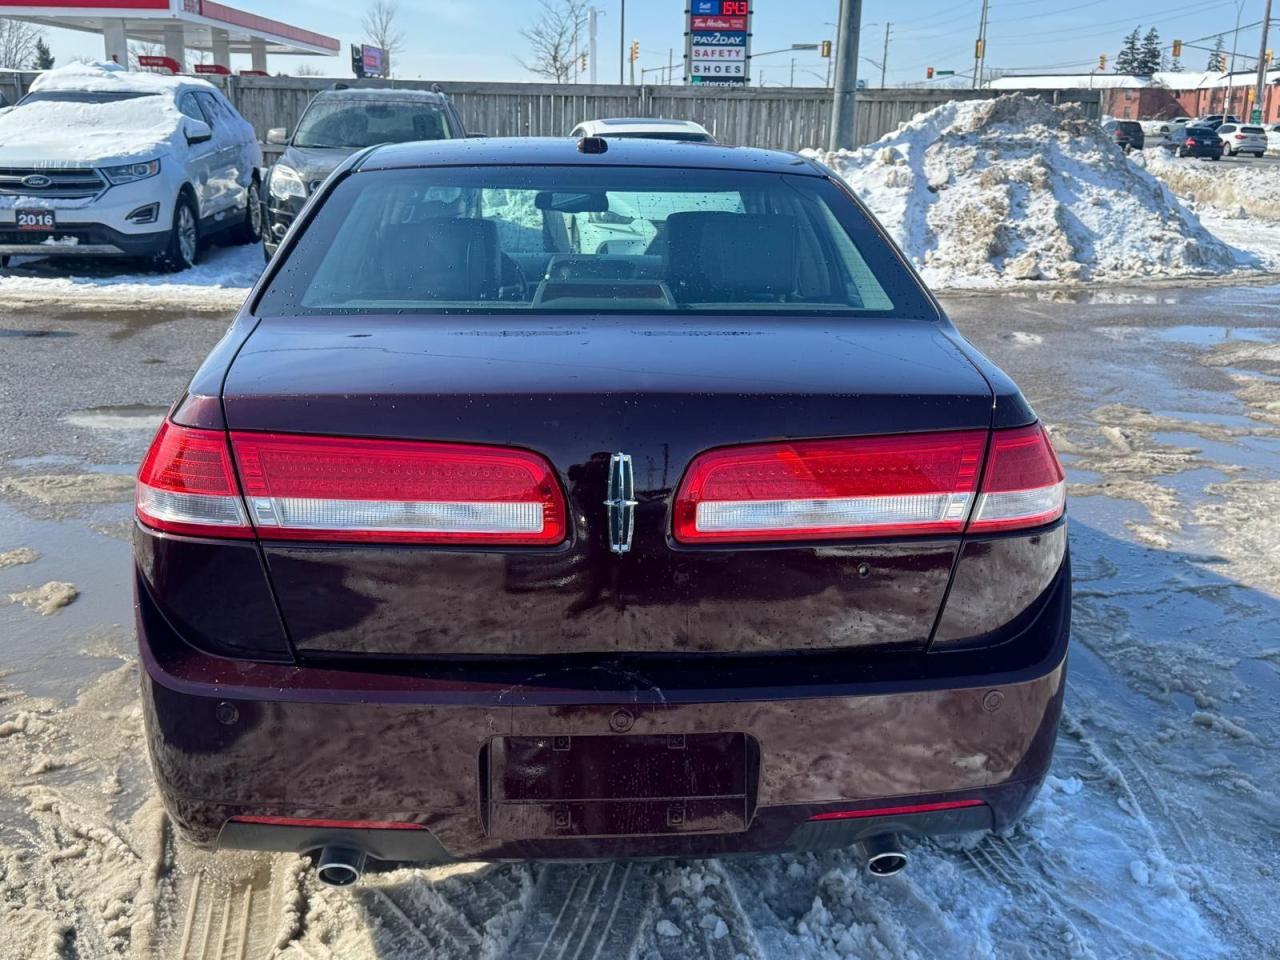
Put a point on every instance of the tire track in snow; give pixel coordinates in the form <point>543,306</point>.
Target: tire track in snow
<point>585,912</point>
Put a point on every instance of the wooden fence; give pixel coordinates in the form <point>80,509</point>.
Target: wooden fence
<point>780,118</point>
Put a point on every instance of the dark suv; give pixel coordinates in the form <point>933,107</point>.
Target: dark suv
<point>1127,134</point>
<point>335,125</point>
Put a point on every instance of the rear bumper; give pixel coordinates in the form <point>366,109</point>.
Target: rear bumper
<point>235,739</point>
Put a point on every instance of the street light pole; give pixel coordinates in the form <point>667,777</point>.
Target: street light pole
<point>843,100</point>
<point>980,48</point>
<point>1261,88</point>
<point>884,59</point>
<point>622,40</point>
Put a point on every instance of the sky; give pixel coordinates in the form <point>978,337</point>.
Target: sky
<point>481,39</point>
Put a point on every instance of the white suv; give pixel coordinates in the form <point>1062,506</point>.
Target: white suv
<point>96,160</point>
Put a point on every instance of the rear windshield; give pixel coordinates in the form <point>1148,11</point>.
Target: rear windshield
<point>1252,130</point>
<point>353,123</point>
<point>590,240</point>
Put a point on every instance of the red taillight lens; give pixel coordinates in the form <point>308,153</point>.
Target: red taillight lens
<point>1191,143</point>
<point>824,489</point>
<point>1239,136</point>
<point>905,810</point>
<point>870,487</point>
<point>186,484</point>
<point>1023,485</point>
<point>328,488</point>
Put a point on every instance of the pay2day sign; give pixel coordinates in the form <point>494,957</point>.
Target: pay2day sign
<point>717,42</point>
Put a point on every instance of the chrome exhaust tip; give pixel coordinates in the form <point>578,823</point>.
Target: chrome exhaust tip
<point>339,866</point>
<point>883,854</point>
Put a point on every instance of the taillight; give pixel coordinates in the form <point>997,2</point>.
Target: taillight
<point>1023,484</point>
<point>187,485</point>
<point>1239,136</point>
<point>405,491</point>
<point>870,487</point>
<point>825,489</point>
<point>1191,143</point>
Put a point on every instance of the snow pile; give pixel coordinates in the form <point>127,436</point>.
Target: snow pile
<point>983,192</point>
<point>108,77</point>
<point>220,281</point>
<point>1238,190</point>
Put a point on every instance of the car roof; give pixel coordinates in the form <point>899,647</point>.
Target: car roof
<point>381,93</point>
<point>535,151</point>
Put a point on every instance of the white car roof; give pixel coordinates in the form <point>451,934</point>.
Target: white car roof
<point>602,128</point>
<point>110,77</point>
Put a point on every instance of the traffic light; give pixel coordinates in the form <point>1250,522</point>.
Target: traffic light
<point>1177,48</point>
<point>1270,57</point>
<point>928,73</point>
<point>978,47</point>
<point>582,62</point>
<point>635,50</point>
<point>826,48</point>
<point>1102,61</point>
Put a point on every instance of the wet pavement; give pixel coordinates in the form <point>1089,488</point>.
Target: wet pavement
<point>1154,837</point>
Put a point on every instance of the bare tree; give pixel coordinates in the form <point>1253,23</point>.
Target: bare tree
<point>307,70</point>
<point>380,27</point>
<point>554,39</point>
<point>17,44</point>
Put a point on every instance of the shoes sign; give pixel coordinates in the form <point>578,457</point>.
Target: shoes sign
<point>718,42</point>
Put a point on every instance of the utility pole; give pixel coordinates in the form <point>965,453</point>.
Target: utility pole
<point>884,59</point>
<point>792,82</point>
<point>592,14</point>
<point>843,100</point>
<point>1261,88</point>
<point>671,64</point>
<point>980,47</point>
<point>1231,71</point>
<point>622,41</point>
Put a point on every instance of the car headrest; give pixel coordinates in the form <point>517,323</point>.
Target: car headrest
<point>443,258</point>
<point>731,257</point>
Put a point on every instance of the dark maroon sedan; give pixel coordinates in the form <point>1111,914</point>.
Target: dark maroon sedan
<point>556,499</point>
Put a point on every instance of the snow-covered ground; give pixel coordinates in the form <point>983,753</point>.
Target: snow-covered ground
<point>221,280</point>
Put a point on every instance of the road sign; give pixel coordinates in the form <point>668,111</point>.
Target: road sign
<point>717,48</point>
<point>1255,116</point>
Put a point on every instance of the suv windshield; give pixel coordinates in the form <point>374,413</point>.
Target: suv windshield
<point>354,123</point>
<point>598,240</point>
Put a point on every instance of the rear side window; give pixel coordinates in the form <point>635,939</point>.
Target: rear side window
<point>591,240</point>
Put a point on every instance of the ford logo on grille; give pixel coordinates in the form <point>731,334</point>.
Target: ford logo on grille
<point>37,180</point>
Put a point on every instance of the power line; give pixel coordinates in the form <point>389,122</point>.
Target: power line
<point>1192,10</point>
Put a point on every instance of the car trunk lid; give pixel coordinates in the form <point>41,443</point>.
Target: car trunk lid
<point>579,391</point>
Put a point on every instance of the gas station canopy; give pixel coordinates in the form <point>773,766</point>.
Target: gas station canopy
<point>177,24</point>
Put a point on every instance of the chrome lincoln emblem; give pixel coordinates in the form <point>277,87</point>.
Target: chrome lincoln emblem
<point>36,180</point>
<point>621,503</point>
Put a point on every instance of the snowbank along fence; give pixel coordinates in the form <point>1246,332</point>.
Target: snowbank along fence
<point>779,118</point>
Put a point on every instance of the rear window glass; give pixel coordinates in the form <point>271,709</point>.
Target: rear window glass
<point>1252,130</point>
<point>591,240</point>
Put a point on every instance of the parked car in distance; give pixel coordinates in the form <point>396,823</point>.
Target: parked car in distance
<point>1127,134</point>
<point>761,555</point>
<point>1243,138</point>
<point>336,124</point>
<point>1156,129</point>
<point>1215,120</point>
<point>648,128</point>
<point>96,160</point>
<point>1273,138</point>
<point>1197,141</point>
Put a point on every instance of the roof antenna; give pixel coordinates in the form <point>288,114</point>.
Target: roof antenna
<point>593,145</point>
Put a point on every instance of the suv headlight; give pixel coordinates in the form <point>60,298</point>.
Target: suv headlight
<point>129,172</point>
<point>286,182</point>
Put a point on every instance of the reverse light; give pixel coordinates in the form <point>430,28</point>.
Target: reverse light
<point>1023,484</point>
<point>186,484</point>
<point>824,489</point>
<point>349,489</point>
<point>130,172</point>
